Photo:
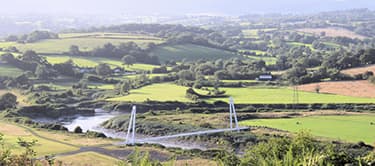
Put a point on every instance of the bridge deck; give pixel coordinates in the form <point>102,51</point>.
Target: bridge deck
<point>146,140</point>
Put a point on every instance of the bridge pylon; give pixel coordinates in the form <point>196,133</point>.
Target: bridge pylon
<point>232,114</point>
<point>130,137</point>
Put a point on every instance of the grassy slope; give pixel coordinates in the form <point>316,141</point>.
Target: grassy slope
<point>43,147</point>
<point>9,71</point>
<point>94,61</point>
<point>349,128</point>
<point>88,158</point>
<point>171,92</point>
<point>190,52</point>
<point>268,60</point>
<point>285,95</point>
<point>158,92</point>
<point>62,45</point>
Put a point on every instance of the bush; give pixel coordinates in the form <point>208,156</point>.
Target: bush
<point>78,130</point>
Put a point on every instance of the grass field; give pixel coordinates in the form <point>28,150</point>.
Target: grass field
<point>88,158</point>
<point>94,61</point>
<point>85,44</point>
<point>300,44</point>
<point>268,60</point>
<point>285,95</point>
<point>251,95</point>
<point>332,32</point>
<point>9,71</point>
<point>43,147</point>
<point>351,128</point>
<point>253,33</point>
<point>108,36</point>
<point>158,92</point>
<point>191,52</point>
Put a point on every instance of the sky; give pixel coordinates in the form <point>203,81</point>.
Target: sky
<point>179,7</point>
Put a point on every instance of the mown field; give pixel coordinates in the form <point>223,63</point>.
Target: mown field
<point>352,128</point>
<point>88,158</point>
<point>94,61</point>
<point>361,88</point>
<point>332,32</point>
<point>250,95</point>
<point>43,146</point>
<point>358,70</point>
<point>253,33</point>
<point>157,92</point>
<point>268,60</point>
<point>191,52</point>
<point>86,42</point>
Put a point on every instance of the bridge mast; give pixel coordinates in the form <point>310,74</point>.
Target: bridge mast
<point>131,127</point>
<point>232,112</point>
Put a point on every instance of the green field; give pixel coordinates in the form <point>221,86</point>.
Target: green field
<point>94,61</point>
<point>158,92</point>
<point>352,128</point>
<point>85,44</point>
<point>253,33</point>
<point>191,52</point>
<point>43,147</point>
<point>268,60</point>
<point>9,71</point>
<point>271,95</point>
<point>88,158</point>
<point>107,35</point>
<point>251,95</point>
<point>300,44</point>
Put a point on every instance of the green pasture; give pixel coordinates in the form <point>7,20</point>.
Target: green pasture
<point>108,35</point>
<point>268,60</point>
<point>284,95</point>
<point>85,44</point>
<point>43,146</point>
<point>94,61</point>
<point>9,71</point>
<point>157,92</point>
<point>191,52</point>
<point>295,44</point>
<point>353,128</point>
<point>246,95</point>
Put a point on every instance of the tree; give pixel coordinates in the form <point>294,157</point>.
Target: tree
<point>129,60</point>
<point>186,75</point>
<point>103,69</point>
<point>8,100</point>
<point>125,86</point>
<point>74,50</point>
<point>42,72</point>
<point>368,57</point>
<point>317,88</point>
<point>78,130</point>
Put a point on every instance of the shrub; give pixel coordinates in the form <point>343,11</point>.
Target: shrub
<point>78,130</point>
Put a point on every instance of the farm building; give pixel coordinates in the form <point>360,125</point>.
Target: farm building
<point>265,77</point>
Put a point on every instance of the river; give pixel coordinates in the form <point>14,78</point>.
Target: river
<point>93,123</point>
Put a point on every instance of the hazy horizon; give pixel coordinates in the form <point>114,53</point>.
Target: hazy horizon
<point>182,7</point>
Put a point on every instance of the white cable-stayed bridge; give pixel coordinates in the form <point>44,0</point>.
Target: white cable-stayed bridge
<point>131,135</point>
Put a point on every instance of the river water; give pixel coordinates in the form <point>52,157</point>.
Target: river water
<point>93,123</point>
